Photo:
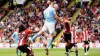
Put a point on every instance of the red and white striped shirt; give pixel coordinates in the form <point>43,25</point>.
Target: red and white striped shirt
<point>73,38</point>
<point>85,35</point>
<point>23,37</point>
<point>67,27</point>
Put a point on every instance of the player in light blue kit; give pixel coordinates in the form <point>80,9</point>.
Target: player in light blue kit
<point>49,23</point>
<point>15,37</point>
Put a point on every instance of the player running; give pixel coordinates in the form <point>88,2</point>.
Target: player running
<point>74,40</point>
<point>24,43</point>
<point>49,23</point>
<point>67,34</point>
<point>86,40</point>
<point>15,37</point>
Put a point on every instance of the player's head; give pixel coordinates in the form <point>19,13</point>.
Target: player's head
<point>16,29</point>
<point>73,28</point>
<point>56,7</point>
<point>49,2</point>
<point>21,28</point>
<point>66,18</point>
<point>84,28</point>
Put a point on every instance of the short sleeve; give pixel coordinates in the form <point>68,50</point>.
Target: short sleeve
<point>30,31</point>
<point>54,12</point>
<point>13,34</point>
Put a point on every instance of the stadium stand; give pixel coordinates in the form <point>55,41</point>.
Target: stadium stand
<point>89,16</point>
<point>3,12</point>
<point>33,17</point>
<point>33,13</point>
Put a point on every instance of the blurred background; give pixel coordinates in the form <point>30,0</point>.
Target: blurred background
<point>30,13</point>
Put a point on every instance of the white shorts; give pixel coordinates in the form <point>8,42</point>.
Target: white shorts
<point>49,27</point>
<point>16,44</point>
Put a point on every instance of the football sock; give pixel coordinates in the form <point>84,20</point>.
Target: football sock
<point>76,52</point>
<point>67,48</point>
<point>17,52</point>
<point>88,48</point>
<point>85,49</point>
<point>70,46</point>
<point>20,53</point>
<point>49,43</point>
<point>35,36</point>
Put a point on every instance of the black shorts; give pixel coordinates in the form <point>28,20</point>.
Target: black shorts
<point>74,44</point>
<point>24,48</point>
<point>67,37</point>
<point>86,42</point>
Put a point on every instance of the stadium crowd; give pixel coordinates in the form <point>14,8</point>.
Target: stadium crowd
<point>89,17</point>
<point>32,18</point>
<point>3,12</point>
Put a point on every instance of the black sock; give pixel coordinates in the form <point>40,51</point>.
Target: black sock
<point>76,52</point>
<point>85,49</point>
<point>66,49</point>
<point>88,48</point>
<point>70,46</point>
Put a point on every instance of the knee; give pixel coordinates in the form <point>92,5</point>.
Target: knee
<point>67,44</point>
<point>54,34</point>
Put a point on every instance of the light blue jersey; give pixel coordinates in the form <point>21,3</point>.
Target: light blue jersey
<point>49,14</point>
<point>15,36</point>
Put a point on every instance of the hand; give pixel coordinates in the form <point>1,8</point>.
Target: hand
<point>62,20</point>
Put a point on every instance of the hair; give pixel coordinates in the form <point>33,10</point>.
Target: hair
<point>56,5</point>
<point>21,28</point>
<point>50,2</point>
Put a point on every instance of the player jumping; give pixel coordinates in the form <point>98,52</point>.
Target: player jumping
<point>49,23</point>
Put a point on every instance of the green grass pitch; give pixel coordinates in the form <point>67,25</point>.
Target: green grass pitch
<point>53,52</point>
